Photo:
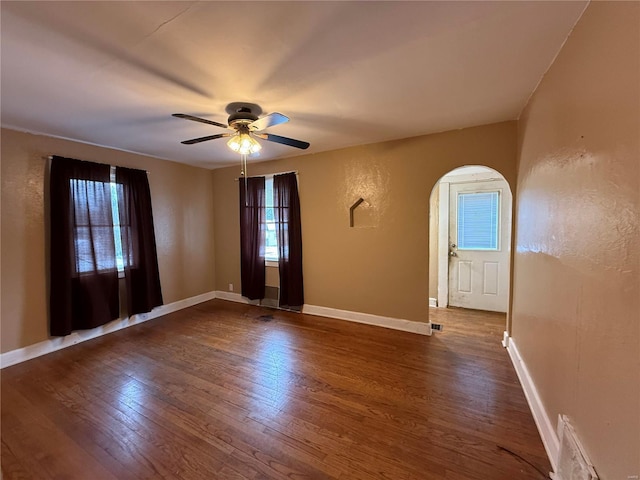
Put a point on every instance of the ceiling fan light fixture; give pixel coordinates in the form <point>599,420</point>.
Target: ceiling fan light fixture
<point>244,120</point>
<point>244,144</point>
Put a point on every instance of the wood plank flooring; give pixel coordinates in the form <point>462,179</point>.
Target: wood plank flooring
<point>231,391</point>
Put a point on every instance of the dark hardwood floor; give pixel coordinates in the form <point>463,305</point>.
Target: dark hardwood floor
<point>230,391</point>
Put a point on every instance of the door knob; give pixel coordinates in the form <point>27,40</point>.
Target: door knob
<point>452,253</point>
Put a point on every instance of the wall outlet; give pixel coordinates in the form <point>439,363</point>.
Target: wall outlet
<point>231,287</point>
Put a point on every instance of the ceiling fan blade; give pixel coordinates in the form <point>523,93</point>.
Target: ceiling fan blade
<point>283,140</point>
<point>204,139</point>
<point>267,121</point>
<point>198,119</point>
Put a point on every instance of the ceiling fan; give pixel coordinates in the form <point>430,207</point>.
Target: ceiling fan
<point>244,120</point>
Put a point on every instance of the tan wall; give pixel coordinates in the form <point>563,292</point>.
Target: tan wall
<point>577,281</point>
<point>382,266</point>
<point>182,199</point>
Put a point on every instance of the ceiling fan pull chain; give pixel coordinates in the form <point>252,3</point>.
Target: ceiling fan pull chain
<point>244,165</point>
<point>244,174</point>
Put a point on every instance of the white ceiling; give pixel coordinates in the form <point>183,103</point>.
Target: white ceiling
<point>346,73</point>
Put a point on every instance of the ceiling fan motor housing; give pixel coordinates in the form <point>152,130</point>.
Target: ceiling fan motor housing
<point>242,116</point>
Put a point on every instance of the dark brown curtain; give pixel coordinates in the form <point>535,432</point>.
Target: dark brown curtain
<point>252,237</point>
<point>142,278</point>
<point>288,228</point>
<point>84,277</point>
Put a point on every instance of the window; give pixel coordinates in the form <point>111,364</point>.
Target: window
<point>271,240</point>
<point>97,232</point>
<point>478,221</point>
<point>101,224</point>
<point>270,229</point>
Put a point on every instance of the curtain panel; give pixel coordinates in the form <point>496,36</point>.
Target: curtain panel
<point>84,277</point>
<point>252,237</point>
<point>141,274</point>
<point>289,231</point>
<point>89,250</point>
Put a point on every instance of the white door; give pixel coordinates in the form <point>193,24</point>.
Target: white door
<point>479,236</point>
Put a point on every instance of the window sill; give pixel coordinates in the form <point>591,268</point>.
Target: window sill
<point>271,263</point>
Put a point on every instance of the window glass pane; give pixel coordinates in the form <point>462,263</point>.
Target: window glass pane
<point>268,189</point>
<point>271,240</point>
<point>89,247</point>
<point>97,234</point>
<point>93,234</point>
<point>478,221</point>
<point>115,189</point>
<point>125,249</point>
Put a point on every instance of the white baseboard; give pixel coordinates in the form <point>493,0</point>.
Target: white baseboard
<point>369,319</point>
<point>57,343</point>
<point>231,296</point>
<point>540,416</point>
<point>387,322</point>
<point>433,302</point>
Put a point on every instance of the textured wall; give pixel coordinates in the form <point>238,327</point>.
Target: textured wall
<point>382,265</point>
<point>182,199</point>
<point>576,312</point>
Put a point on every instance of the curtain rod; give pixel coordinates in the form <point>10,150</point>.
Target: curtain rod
<point>269,175</point>
<point>50,157</point>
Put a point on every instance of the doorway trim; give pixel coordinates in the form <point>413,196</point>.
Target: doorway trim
<point>443,244</point>
<point>468,173</point>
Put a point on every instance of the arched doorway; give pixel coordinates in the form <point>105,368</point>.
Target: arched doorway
<point>470,240</point>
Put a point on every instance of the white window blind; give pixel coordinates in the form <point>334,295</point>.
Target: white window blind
<point>478,220</point>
